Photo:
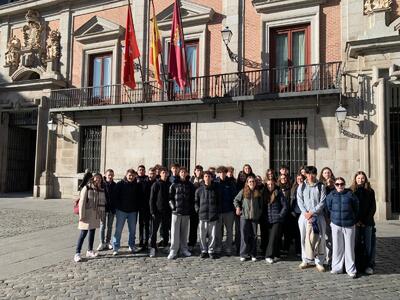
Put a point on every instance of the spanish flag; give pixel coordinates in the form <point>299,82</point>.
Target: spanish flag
<point>155,47</point>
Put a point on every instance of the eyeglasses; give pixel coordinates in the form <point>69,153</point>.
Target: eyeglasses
<point>339,184</point>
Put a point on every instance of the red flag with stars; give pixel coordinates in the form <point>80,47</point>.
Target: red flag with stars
<point>177,53</point>
<point>131,51</point>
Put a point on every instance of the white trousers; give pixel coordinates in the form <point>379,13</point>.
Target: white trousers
<point>320,258</point>
<point>343,243</point>
<point>208,229</point>
<point>179,233</point>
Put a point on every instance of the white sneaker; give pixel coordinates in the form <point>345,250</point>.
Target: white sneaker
<point>152,252</point>
<point>369,271</point>
<point>304,265</point>
<point>253,258</point>
<point>101,247</point>
<point>110,246</point>
<point>243,259</point>
<point>320,268</point>
<point>91,254</point>
<point>171,255</point>
<point>77,257</point>
<point>115,252</point>
<point>186,253</point>
<point>269,260</point>
<point>353,275</point>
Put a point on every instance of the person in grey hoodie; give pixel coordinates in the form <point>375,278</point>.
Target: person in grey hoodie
<point>311,201</point>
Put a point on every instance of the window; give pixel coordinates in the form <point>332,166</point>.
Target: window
<point>192,61</point>
<point>288,144</point>
<point>289,53</point>
<point>176,144</point>
<point>100,75</point>
<point>90,148</point>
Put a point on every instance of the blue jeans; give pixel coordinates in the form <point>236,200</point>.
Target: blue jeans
<point>119,226</point>
<point>108,221</point>
<point>82,237</point>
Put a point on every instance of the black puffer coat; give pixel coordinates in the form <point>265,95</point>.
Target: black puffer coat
<point>274,212</point>
<point>181,196</point>
<point>208,202</point>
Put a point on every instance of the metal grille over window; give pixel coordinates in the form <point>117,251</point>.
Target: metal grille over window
<point>288,144</point>
<point>176,146</point>
<point>90,148</point>
<point>394,111</point>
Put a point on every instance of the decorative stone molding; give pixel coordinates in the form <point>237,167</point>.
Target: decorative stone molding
<point>192,14</point>
<point>371,6</point>
<point>34,59</point>
<point>98,29</point>
<point>271,6</point>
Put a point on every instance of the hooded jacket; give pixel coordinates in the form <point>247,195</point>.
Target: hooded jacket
<point>251,207</point>
<point>159,197</point>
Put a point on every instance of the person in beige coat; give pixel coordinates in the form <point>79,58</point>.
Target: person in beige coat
<point>92,202</point>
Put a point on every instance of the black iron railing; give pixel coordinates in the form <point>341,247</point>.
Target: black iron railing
<point>307,78</point>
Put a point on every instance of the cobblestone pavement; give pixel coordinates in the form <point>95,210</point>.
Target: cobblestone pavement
<point>20,221</point>
<point>130,276</point>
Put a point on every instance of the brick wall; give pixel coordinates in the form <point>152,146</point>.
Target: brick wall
<point>253,29</point>
<point>330,32</point>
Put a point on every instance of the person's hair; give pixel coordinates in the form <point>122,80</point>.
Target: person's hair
<point>311,170</point>
<point>321,178</point>
<point>367,184</point>
<point>302,167</point>
<point>199,167</point>
<point>230,169</point>
<point>284,167</point>
<point>211,168</point>
<point>91,180</point>
<point>246,190</point>
<point>109,170</point>
<point>182,169</point>
<point>287,181</point>
<point>266,175</point>
<point>161,169</point>
<point>141,166</point>
<point>131,171</point>
<point>247,165</point>
<point>174,165</point>
<point>270,196</point>
<point>222,169</point>
<point>340,178</point>
<point>208,173</point>
<point>152,169</point>
<point>157,166</point>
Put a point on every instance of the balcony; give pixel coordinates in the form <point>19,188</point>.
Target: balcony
<point>271,83</point>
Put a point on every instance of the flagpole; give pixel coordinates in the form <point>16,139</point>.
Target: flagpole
<point>184,49</point>
<point>139,60</point>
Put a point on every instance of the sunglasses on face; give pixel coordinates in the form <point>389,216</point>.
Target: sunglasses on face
<point>339,184</point>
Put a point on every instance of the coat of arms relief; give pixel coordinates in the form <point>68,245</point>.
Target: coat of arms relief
<point>371,6</point>
<point>40,50</point>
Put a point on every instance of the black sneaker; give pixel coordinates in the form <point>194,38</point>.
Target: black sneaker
<point>203,255</point>
<point>213,255</point>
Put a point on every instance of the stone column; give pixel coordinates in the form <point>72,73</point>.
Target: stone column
<point>231,9</point>
<point>66,44</point>
<point>44,152</point>
<point>383,203</point>
<point>140,11</point>
<point>3,149</point>
<point>4,37</point>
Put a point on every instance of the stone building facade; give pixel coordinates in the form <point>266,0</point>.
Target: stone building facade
<point>266,98</point>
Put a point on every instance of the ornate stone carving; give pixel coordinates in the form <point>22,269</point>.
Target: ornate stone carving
<point>371,6</point>
<point>13,55</point>
<point>33,31</point>
<point>54,48</point>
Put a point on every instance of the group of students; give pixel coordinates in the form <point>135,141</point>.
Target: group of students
<point>331,226</point>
